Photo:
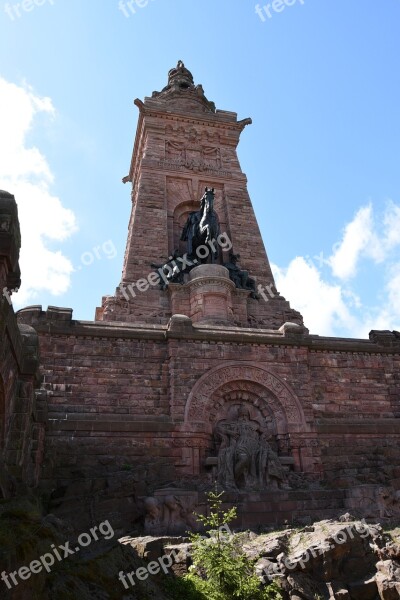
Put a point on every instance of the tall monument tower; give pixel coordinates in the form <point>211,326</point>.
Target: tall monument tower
<point>183,145</point>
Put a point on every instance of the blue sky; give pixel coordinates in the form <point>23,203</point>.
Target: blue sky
<point>320,79</point>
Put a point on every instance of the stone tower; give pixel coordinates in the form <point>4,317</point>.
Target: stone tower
<point>183,145</point>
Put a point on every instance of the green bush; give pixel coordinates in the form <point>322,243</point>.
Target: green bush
<point>220,570</point>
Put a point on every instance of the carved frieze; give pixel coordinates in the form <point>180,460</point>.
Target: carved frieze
<point>193,152</point>
<point>193,135</point>
<point>182,165</point>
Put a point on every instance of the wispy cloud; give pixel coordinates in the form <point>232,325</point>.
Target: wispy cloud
<point>323,305</point>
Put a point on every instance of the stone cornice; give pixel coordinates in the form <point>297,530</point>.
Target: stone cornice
<point>214,120</point>
<point>211,120</point>
<point>57,321</point>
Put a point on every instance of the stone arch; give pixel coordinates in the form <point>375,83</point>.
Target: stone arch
<point>268,392</point>
<point>183,208</point>
<point>181,214</point>
<point>261,404</point>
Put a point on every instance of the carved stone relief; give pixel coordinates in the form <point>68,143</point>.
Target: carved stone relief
<point>246,458</point>
<point>170,512</point>
<point>192,156</point>
<point>267,389</point>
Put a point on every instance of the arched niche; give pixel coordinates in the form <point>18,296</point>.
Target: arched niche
<point>181,214</point>
<point>248,383</point>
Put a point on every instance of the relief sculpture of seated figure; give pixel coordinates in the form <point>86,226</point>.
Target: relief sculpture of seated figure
<point>246,460</point>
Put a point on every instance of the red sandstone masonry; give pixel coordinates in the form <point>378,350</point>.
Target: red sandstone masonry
<point>165,188</point>
<point>22,412</point>
<point>118,394</point>
<point>133,397</point>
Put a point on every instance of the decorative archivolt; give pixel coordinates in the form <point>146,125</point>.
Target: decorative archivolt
<point>265,391</point>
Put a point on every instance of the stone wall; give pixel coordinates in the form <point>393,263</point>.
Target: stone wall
<point>22,408</point>
<point>133,408</point>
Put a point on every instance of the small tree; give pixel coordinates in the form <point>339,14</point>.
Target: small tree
<point>221,570</point>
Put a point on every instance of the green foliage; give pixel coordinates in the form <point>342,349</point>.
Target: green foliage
<point>220,570</point>
<point>126,467</point>
<point>183,589</point>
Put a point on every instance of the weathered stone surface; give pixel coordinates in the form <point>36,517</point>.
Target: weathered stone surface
<point>330,559</point>
<point>149,547</point>
<point>388,576</point>
<point>23,411</point>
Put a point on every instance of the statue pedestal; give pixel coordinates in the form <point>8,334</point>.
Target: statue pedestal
<point>210,292</point>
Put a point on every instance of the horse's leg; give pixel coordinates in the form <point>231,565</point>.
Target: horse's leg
<point>210,242</point>
<point>212,237</point>
<point>203,225</point>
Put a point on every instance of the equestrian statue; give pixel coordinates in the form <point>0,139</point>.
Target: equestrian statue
<point>202,229</point>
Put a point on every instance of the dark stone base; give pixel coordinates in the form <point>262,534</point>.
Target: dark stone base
<point>269,509</point>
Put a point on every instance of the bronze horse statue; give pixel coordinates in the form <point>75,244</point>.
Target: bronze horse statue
<point>202,229</point>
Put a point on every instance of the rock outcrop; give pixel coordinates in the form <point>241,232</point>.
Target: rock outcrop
<point>346,559</point>
<point>330,560</point>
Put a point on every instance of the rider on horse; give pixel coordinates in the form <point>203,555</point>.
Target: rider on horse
<point>202,226</point>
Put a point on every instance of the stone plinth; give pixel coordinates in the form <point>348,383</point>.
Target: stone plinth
<point>210,294</point>
<point>279,506</point>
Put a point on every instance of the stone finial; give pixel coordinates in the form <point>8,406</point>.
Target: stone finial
<point>180,76</point>
<point>181,82</point>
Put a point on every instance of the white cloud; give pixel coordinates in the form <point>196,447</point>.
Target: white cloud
<point>366,237</point>
<point>391,223</point>
<point>358,237</point>
<point>329,306</point>
<point>26,173</point>
<point>322,304</point>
